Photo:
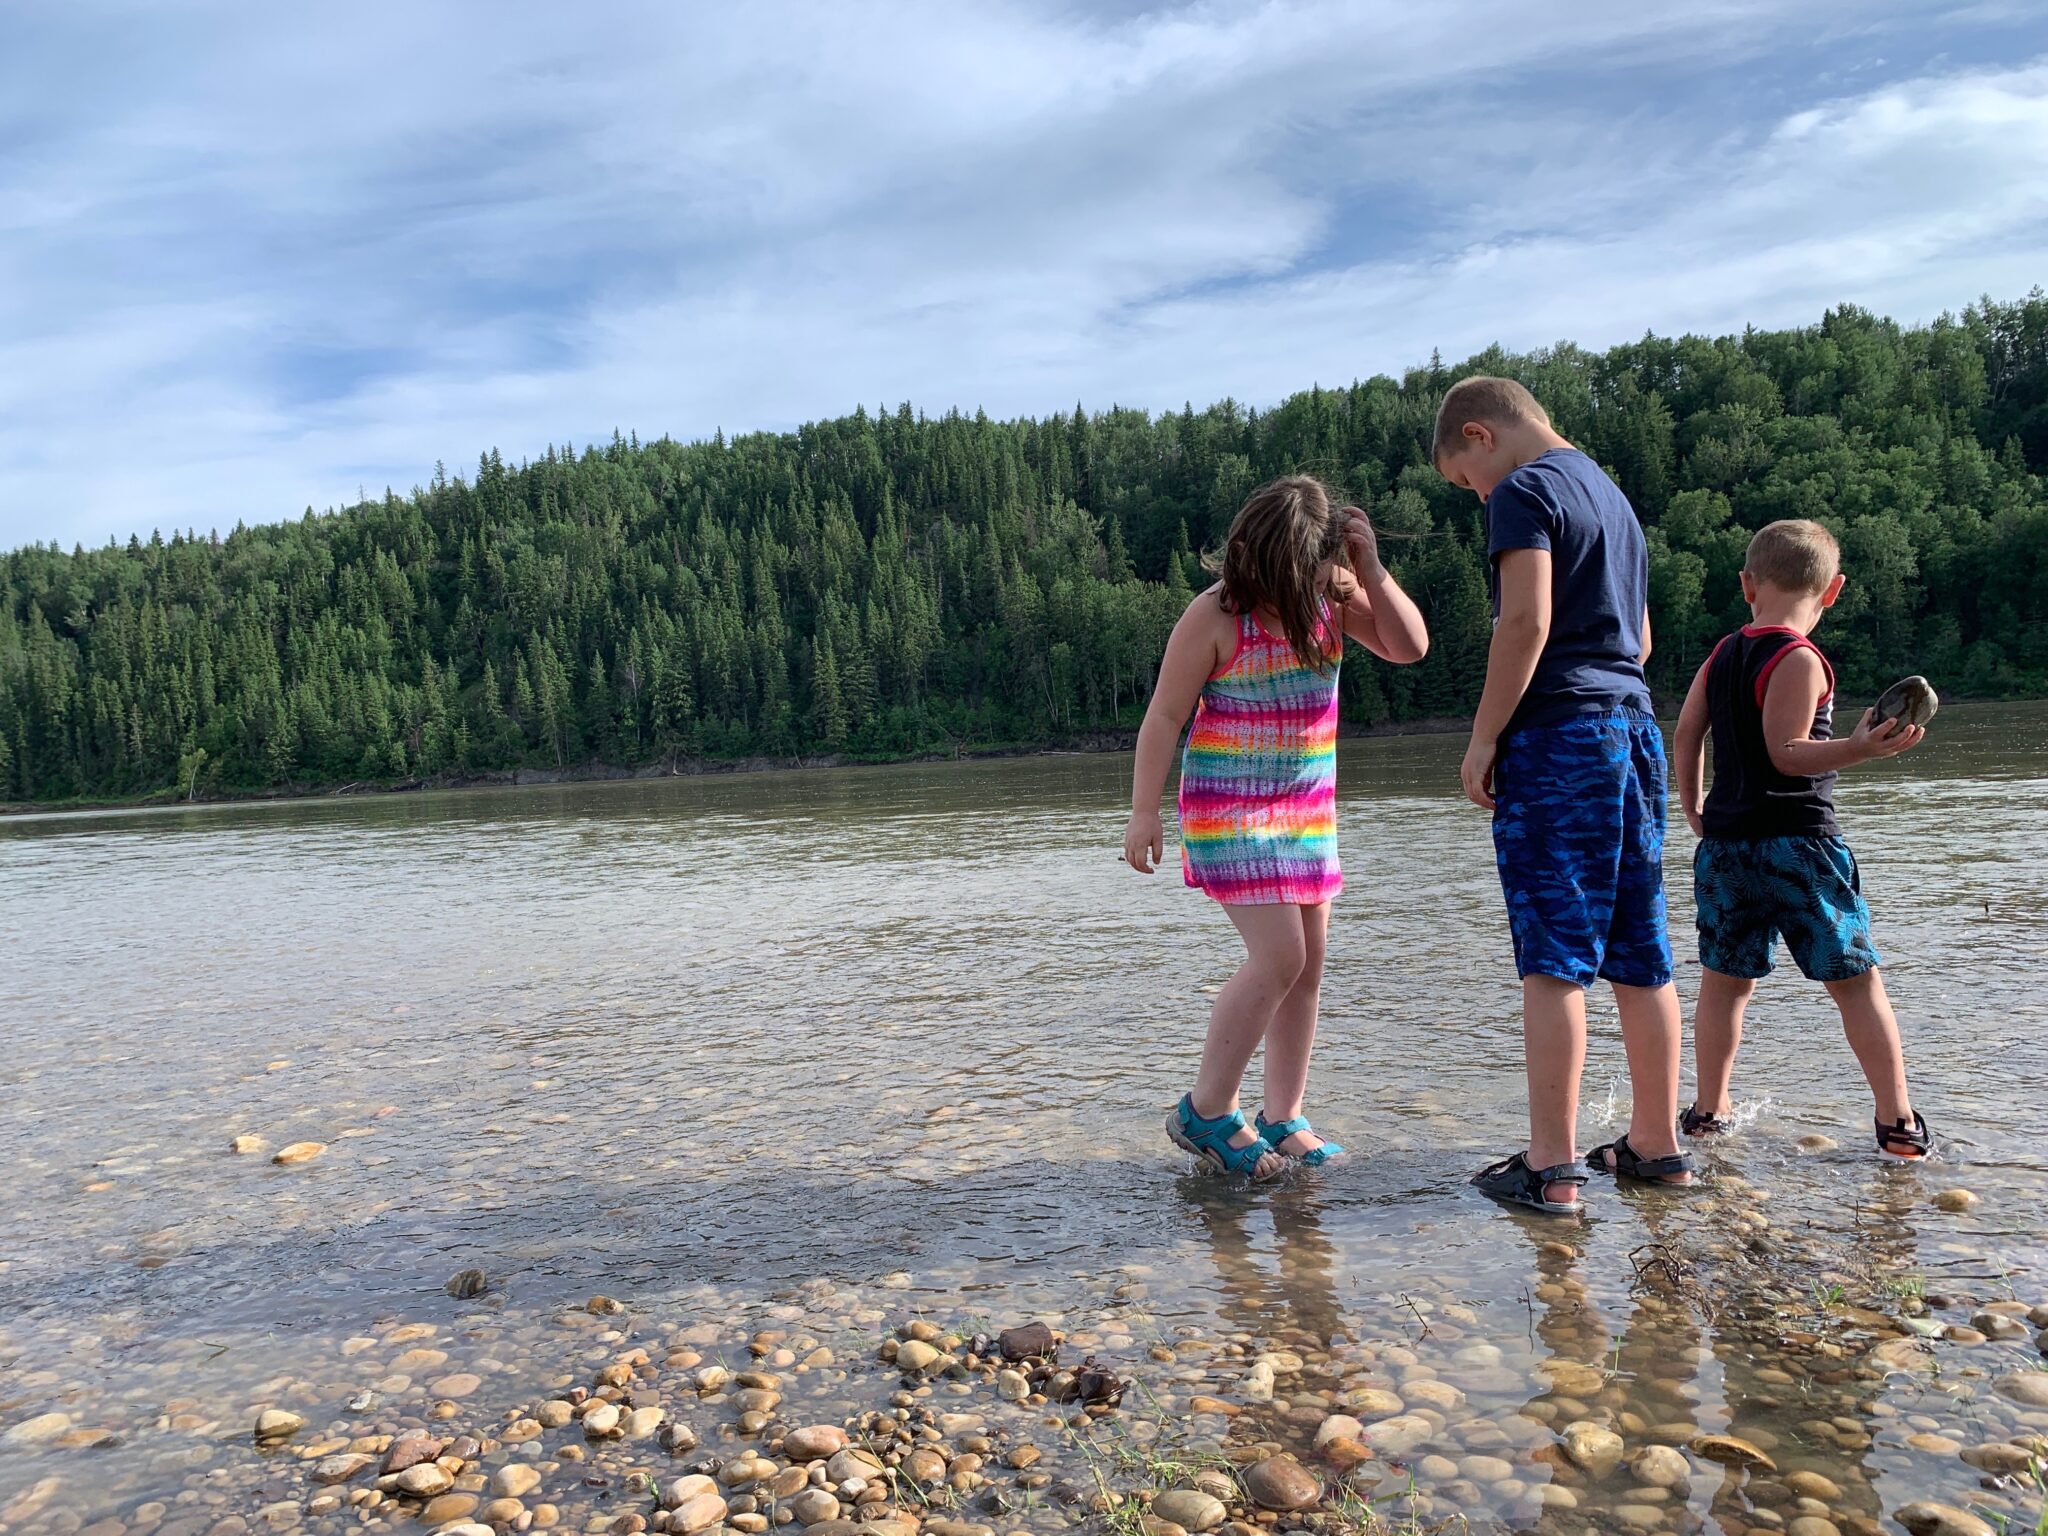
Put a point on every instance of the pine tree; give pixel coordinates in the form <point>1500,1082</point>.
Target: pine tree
<point>675,706</point>
<point>828,709</point>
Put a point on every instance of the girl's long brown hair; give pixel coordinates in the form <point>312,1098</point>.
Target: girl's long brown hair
<point>1280,538</point>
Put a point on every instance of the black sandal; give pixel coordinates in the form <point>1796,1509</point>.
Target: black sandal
<point>1650,1170</point>
<point>1916,1139</point>
<point>1694,1121</point>
<point>1513,1182</point>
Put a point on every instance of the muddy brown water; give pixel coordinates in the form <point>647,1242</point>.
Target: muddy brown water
<point>835,1047</point>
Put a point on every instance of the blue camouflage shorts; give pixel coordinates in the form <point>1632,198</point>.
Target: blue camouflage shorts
<point>1806,888</point>
<point>1578,832</point>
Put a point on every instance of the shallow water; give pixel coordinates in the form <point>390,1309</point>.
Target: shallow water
<point>695,1043</point>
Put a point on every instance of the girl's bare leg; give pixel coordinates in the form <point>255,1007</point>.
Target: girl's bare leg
<point>1293,1033</point>
<point>1275,953</point>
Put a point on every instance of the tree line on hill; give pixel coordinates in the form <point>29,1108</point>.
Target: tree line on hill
<point>890,584</point>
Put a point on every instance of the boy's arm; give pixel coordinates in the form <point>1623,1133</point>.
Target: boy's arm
<point>1689,751</point>
<point>1644,659</point>
<point>1192,656</point>
<point>1518,638</point>
<point>1794,692</point>
<point>1377,613</point>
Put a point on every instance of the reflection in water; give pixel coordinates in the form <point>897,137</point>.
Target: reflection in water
<point>1284,1289</point>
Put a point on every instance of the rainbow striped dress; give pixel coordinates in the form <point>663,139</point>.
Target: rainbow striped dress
<point>1258,778</point>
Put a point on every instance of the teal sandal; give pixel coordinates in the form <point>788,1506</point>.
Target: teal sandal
<point>1273,1135</point>
<point>1209,1140</point>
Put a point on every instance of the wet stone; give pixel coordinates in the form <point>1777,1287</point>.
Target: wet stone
<point>339,1469</point>
<point>423,1481</point>
<point>1400,1435</point>
<point>1594,1450</point>
<point>271,1424</point>
<point>1731,1451</point>
<point>2027,1388</point>
<point>851,1463</point>
<point>1190,1509</point>
<point>1659,1466</point>
<point>1812,1485</point>
<point>1027,1342</point>
<point>410,1451</point>
<point>1928,1518</point>
<point>1281,1483</point>
<point>1373,1403</point>
<point>815,1442</point>
<point>1999,1458</point>
<point>449,1506</point>
<point>814,1506</point>
<point>697,1513</point>
<point>515,1481</point>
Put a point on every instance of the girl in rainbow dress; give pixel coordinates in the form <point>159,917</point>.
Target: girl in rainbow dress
<point>1256,658</point>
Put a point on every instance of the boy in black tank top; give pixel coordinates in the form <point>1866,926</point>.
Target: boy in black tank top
<point>1771,860</point>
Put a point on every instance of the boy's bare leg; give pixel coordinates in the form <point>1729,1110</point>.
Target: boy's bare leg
<point>1652,1036</point>
<point>1554,1053</point>
<point>1873,1033</point>
<point>1292,1035</point>
<point>1716,1036</point>
<point>1275,953</point>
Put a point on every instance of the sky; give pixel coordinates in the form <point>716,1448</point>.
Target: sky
<point>260,258</point>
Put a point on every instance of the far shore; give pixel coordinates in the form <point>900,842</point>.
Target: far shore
<point>1094,743</point>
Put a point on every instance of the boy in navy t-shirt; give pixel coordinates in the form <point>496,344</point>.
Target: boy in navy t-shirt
<point>1567,756</point>
<point>1771,860</point>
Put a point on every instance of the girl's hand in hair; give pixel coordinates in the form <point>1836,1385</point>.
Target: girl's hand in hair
<point>1361,544</point>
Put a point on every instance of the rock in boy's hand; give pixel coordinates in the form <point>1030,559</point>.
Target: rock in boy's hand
<point>1876,738</point>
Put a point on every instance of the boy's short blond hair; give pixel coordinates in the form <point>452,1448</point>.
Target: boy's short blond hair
<point>1481,398</point>
<point>1795,554</point>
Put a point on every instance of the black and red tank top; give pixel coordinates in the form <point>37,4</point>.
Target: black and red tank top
<point>1750,798</point>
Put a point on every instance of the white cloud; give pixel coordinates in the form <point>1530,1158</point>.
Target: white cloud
<point>268,258</point>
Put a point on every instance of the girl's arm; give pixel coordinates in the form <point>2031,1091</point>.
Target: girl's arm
<point>1196,649</point>
<point>1689,751</point>
<point>1376,612</point>
<point>1790,699</point>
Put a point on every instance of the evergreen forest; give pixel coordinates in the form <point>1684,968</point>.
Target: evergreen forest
<point>890,584</point>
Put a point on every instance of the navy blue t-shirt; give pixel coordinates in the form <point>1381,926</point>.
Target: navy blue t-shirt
<point>1599,582</point>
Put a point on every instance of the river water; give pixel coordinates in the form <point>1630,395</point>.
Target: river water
<point>853,1044</point>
